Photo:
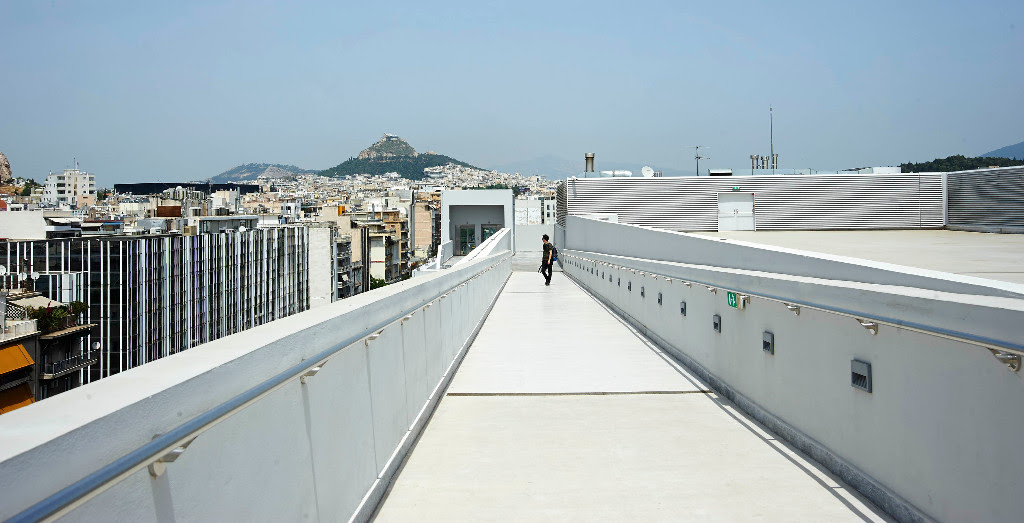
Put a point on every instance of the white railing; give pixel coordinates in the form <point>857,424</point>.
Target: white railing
<point>17,329</point>
<point>931,438</point>
<point>437,262</point>
<point>307,417</point>
<point>445,253</point>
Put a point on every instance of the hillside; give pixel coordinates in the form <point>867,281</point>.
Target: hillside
<point>1010,151</point>
<point>958,163</point>
<point>391,154</point>
<point>406,166</point>
<point>251,171</point>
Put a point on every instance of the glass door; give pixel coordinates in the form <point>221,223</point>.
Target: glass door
<point>467,239</point>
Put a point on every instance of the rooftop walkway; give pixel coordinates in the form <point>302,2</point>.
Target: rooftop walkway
<point>560,411</point>
<point>983,255</point>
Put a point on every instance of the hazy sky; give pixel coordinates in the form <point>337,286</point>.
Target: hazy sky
<point>146,91</point>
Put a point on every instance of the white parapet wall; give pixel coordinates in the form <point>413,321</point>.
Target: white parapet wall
<point>528,237</point>
<point>321,444</point>
<point>938,434</point>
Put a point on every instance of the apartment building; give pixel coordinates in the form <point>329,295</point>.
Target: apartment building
<point>72,188</point>
<point>152,296</point>
<point>354,242</point>
<point>389,234</point>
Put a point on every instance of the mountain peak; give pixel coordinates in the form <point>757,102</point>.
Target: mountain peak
<point>1010,151</point>
<point>392,154</point>
<point>389,146</point>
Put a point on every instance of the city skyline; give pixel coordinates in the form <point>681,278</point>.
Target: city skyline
<point>154,93</point>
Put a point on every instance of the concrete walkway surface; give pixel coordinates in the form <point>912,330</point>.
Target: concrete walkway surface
<point>561,412</point>
<point>978,254</point>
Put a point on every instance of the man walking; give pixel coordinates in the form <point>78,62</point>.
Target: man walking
<point>547,260</point>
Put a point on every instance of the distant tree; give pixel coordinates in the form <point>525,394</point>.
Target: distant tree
<point>376,283</point>
<point>515,190</point>
<point>958,163</point>
<point>103,194</point>
<point>27,186</point>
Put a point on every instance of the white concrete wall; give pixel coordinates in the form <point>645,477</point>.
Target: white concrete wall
<point>938,435</point>
<point>528,212</point>
<point>323,450</point>
<point>323,277</point>
<point>22,225</point>
<point>527,237</point>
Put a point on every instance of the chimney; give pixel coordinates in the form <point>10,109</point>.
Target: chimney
<point>590,162</point>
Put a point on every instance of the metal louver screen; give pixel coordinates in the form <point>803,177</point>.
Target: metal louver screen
<point>991,198</point>
<point>560,205</point>
<point>891,201</point>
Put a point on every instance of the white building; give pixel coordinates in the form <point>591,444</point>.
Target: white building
<point>550,210</point>
<point>470,217</point>
<point>73,188</point>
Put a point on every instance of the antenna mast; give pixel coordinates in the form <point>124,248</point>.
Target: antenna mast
<point>698,157</point>
<point>771,136</point>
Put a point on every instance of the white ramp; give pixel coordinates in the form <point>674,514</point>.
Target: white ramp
<point>562,412</point>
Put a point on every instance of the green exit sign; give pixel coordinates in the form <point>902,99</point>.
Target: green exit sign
<point>736,188</point>
<point>735,300</point>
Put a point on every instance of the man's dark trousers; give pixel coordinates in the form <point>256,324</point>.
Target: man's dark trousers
<point>545,269</point>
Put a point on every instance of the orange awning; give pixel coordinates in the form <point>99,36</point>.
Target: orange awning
<point>16,398</point>
<point>14,357</point>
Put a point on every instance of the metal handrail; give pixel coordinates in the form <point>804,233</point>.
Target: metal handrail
<point>66,499</point>
<point>62,365</point>
<point>965,337</point>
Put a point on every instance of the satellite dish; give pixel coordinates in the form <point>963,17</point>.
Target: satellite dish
<point>34,275</point>
<point>647,172</point>
<point>3,270</point>
<point>22,276</point>
<point>241,228</point>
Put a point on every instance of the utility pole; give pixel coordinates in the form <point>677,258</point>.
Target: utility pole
<point>771,136</point>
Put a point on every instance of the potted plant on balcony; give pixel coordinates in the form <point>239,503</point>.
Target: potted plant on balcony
<point>49,319</point>
<point>77,308</point>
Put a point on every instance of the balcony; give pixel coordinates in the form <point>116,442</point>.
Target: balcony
<point>639,385</point>
<point>67,327</point>
<point>69,365</point>
<point>15,329</point>
<point>13,379</point>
